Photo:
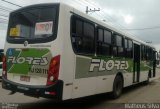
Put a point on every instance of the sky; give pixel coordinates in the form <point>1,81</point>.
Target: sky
<point>141,18</point>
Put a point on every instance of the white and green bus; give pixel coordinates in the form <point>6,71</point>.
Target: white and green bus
<point>56,51</point>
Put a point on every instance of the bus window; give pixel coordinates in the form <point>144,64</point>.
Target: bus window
<point>88,38</point>
<point>130,44</point>
<point>107,37</point>
<point>118,50</point>
<point>100,48</point>
<point>128,48</point>
<point>125,43</point>
<point>34,25</point>
<point>79,27</point>
<point>119,41</point>
<point>104,42</point>
<point>100,35</point>
<point>115,53</point>
<point>89,30</point>
<point>83,36</point>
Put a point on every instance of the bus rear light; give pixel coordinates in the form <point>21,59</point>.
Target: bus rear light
<point>53,72</point>
<point>4,66</point>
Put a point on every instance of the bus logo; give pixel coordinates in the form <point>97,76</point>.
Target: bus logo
<point>10,52</point>
<point>109,65</point>
<point>29,60</point>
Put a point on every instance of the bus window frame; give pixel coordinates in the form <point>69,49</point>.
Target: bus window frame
<point>128,48</point>
<point>109,45</point>
<point>117,47</point>
<point>36,40</point>
<point>84,20</point>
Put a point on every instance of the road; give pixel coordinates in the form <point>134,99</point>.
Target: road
<point>136,94</point>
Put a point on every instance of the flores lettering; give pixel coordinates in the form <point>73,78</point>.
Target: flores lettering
<point>29,60</point>
<point>109,65</point>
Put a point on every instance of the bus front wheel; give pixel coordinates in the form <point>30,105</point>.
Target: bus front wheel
<point>117,87</point>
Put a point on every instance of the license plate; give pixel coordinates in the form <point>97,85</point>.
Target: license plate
<point>25,78</point>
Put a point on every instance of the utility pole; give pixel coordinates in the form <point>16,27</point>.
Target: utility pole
<point>91,10</point>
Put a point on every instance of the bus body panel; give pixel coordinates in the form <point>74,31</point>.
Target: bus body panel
<point>68,56</point>
<point>52,53</point>
<point>104,84</point>
<point>143,76</point>
<point>128,79</point>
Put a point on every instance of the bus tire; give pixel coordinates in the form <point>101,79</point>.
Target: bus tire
<point>117,87</point>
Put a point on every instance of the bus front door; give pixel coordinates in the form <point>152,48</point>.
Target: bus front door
<point>136,67</point>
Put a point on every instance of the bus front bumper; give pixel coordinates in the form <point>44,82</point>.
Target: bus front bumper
<point>53,91</point>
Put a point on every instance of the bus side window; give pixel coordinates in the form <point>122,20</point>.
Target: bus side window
<point>83,37</point>
<point>118,49</point>
<point>76,34</point>
<point>100,39</point>
<point>128,48</point>
<point>88,40</point>
<point>104,42</point>
<point>147,53</point>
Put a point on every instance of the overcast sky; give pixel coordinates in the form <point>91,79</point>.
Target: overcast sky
<point>141,17</point>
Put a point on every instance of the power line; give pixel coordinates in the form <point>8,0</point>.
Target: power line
<point>4,15</point>
<point>6,8</point>
<point>3,19</point>
<point>91,3</point>
<point>11,3</point>
<point>3,22</point>
<point>85,2</point>
<point>80,3</point>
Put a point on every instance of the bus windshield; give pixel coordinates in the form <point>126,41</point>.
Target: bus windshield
<point>33,24</point>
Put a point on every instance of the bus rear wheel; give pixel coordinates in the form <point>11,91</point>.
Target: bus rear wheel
<point>117,87</point>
